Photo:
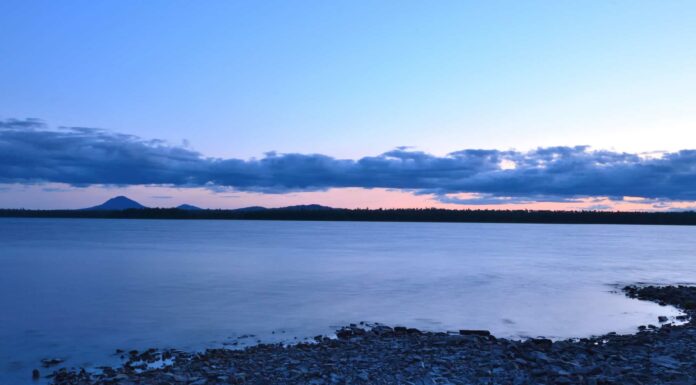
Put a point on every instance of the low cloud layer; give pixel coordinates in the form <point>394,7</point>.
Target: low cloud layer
<point>31,152</point>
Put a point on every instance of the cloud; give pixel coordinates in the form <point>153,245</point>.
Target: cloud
<point>31,152</point>
<point>56,189</point>
<point>16,124</point>
<point>597,208</point>
<point>490,199</point>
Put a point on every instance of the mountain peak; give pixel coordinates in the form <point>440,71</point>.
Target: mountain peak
<point>310,207</point>
<point>118,203</point>
<point>187,206</point>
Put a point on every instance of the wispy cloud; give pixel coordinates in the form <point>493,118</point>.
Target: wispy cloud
<point>31,152</point>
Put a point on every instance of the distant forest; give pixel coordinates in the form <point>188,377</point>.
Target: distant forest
<point>379,215</point>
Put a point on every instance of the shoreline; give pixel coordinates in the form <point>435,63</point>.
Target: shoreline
<point>378,354</point>
<point>329,214</point>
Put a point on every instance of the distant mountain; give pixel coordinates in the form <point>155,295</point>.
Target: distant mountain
<point>124,203</point>
<point>118,203</point>
<point>188,207</point>
<point>288,208</point>
<point>250,209</point>
<point>307,208</point>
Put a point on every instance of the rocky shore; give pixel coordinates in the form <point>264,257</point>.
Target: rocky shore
<point>378,354</point>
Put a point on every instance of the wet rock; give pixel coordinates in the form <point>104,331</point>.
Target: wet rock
<point>540,343</point>
<point>484,333</point>
<point>381,329</point>
<point>35,374</point>
<point>666,361</point>
<point>48,362</point>
<point>344,333</point>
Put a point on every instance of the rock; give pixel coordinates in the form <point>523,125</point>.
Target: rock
<point>541,343</point>
<point>662,319</point>
<point>540,356</point>
<point>345,333</point>
<point>484,333</point>
<point>48,362</point>
<point>35,374</point>
<point>381,329</point>
<point>666,361</point>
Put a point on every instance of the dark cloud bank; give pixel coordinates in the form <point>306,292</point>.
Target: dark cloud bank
<point>30,152</point>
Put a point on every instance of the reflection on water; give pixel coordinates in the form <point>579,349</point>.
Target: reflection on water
<point>79,289</point>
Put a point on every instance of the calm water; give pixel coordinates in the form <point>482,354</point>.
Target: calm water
<point>79,289</point>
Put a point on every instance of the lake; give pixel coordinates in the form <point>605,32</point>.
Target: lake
<point>78,289</point>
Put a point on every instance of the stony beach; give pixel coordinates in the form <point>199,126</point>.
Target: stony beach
<point>663,353</point>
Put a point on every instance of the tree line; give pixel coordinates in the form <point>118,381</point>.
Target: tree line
<point>379,215</point>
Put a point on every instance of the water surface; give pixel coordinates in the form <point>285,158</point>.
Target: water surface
<point>80,288</point>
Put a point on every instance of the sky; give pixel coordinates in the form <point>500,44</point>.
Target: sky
<point>458,104</point>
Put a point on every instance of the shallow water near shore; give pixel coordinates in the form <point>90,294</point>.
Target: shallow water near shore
<point>79,289</point>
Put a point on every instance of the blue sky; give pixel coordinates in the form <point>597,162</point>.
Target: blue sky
<point>351,79</point>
